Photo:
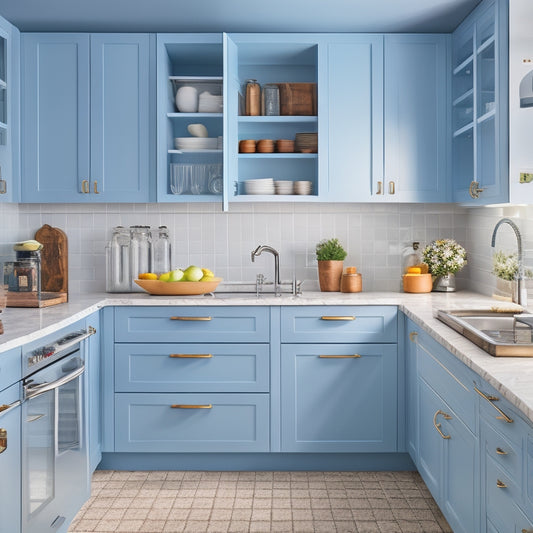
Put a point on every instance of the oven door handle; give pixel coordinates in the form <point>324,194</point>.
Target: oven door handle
<point>31,391</point>
<point>83,334</point>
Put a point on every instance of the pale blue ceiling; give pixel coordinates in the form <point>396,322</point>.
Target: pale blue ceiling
<point>237,15</point>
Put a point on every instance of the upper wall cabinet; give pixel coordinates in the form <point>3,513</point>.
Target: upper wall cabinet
<point>416,127</point>
<point>189,92</point>
<point>88,130</point>
<point>9,109</point>
<point>480,106</point>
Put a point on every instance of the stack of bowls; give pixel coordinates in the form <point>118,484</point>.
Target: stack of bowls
<point>209,103</point>
<point>195,143</point>
<point>303,187</point>
<point>285,145</point>
<point>284,187</point>
<point>306,142</point>
<point>265,146</point>
<point>247,146</point>
<point>259,186</point>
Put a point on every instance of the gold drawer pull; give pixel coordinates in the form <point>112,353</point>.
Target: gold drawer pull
<point>95,186</point>
<point>192,318</point>
<point>3,440</point>
<point>191,355</point>
<point>337,318</point>
<point>437,426</point>
<point>412,336</point>
<point>85,186</point>
<point>527,530</point>
<point>492,399</point>
<point>501,484</point>
<point>354,356</point>
<point>499,451</point>
<point>189,406</point>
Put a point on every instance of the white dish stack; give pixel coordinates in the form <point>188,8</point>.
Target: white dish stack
<point>303,187</point>
<point>259,186</point>
<point>284,187</point>
<point>210,103</point>
<point>196,143</point>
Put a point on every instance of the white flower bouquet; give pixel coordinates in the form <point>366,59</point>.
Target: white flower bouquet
<point>444,256</point>
<point>505,266</point>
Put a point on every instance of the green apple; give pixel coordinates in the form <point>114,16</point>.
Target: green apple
<point>193,273</point>
<point>165,276</point>
<point>176,275</point>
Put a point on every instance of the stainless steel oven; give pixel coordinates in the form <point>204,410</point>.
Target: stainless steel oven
<point>55,471</point>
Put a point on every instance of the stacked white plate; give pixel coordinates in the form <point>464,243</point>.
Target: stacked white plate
<point>303,187</point>
<point>220,142</point>
<point>259,186</point>
<point>284,187</point>
<point>195,143</point>
<point>210,103</point>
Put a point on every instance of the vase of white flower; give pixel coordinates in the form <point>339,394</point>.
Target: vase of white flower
<point>445,258</point>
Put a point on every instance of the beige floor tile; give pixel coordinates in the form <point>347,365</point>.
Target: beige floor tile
<point>178,514</point>
<point>282,526</point>
<point>114,514</point>
<point>129,525</point>
<point>345,526</point>
<point>87,524</point>
<point>156,514</point>
<point>240,503</point>
<point>196,526</point>
<point>389,526</point>
<point>221,514</point>
<point>107,525</point>
<point>240,515</point>
<point>261,515</point>
<point>260,527</point>
<point>322,514</point>
<point>281,514</point>
<point>153,526</point>
<point>199,514</point>
<point>302,526</point>
<point>218,526</point>
<point>239,526</point>
<point>262,503</point>
<point>174,526</point>
<point>281,503</point>
<point>325,526</point>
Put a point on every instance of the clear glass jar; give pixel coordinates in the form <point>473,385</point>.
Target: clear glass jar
<point>162,252</point>
<point>140,253</point>
<point>118,276</point>
<point>270,100</point>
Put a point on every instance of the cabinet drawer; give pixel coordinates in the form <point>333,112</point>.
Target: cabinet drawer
<point>10,367</point>
<point>192,368</point>
<point>453,386</point>
<point>344,323</point>
<point>192,422</point>
<point>192,324</point>
<point>506,454</point>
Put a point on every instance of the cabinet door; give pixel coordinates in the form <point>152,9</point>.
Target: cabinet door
<point>416,128</point>
<point>10,461</point>
<point>55,117</point>
<point>338,398</point>
<point>93,366</point>
<point>355,113</point>
<point>122,127</point>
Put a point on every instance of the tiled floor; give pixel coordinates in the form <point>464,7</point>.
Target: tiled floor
<point>306,502</point>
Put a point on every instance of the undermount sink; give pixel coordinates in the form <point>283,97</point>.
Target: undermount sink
<point>500,333</point>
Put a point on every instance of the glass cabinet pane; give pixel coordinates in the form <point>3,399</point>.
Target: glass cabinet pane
<point>486,80</point>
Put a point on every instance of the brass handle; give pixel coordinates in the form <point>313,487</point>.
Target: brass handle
<point>501,484</point>
<point>95,187</point>
<point>475,190</point>
<point>412,336</point>
<point>3,186</point>
<point>438,426</point>
<point>85,186</point>
<point>380,190</point>
<point>527,530</point>
<point>189,406</point>
<point>3,440</point>
<point>354,356</point>
<point>191,355</point>
<point>492,399</point>
<point>392,189</point>
<point>499,451</point>
<point>191,318</point>
<point>337,318</point>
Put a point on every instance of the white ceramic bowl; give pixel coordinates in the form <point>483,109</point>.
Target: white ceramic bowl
<point>187,99</point>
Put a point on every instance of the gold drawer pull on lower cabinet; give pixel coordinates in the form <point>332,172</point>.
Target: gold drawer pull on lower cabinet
<point>189,406</point>
<point>354,356</point>
<point>438,426</point>
<point>337,318</point>
<point>413,336</point>
<point>3,440</point>
<point>500,484</point>
<point>492,399</point>
<point>499,451</point>
<point>191,355</point>
<point>191,318</point>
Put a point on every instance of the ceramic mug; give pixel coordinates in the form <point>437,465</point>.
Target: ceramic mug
<point>187,99</point>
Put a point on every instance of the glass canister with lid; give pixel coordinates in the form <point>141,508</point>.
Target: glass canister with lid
<point>118,276</point>
<point>162,252</point>
<point>140,253</point>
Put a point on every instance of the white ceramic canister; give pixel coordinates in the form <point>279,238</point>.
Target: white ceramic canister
<point>187,99</point>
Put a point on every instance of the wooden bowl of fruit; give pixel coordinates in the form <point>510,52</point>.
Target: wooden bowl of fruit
<point>191,281</point>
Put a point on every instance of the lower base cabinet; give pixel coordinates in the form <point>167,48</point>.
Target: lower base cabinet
<point>339,398</point>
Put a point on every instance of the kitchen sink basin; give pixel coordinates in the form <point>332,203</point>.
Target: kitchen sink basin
<point>500,333</point>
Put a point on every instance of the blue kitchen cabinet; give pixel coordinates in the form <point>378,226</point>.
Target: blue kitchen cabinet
<point>10,458</point>
<point>416,153</point>
<point>94,394</point>
<point>9,112</point>
<point>355,116</point>
<point>412,401</point>
<point>339,398</point>
<point>87,117</point>
<point>480,107</point>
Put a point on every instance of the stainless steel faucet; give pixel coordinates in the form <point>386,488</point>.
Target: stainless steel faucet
<point>522,293</point>
<point>265,248</point>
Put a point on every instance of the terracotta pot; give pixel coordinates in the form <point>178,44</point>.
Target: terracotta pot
<point>329,275</point>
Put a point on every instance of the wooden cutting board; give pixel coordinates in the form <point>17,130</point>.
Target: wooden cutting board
<point>297,99</point>
<point>54,259</point>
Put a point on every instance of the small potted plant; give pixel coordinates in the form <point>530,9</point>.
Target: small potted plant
<point>444,258</point>
<point>330,256</point>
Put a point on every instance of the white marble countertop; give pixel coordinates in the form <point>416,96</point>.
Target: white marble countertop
<point>511,376</point>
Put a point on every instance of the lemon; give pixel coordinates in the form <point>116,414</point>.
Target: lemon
<point>164,277</point>
<point>147,275</point>
<point>207,273</point>
<point>207,278</point>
